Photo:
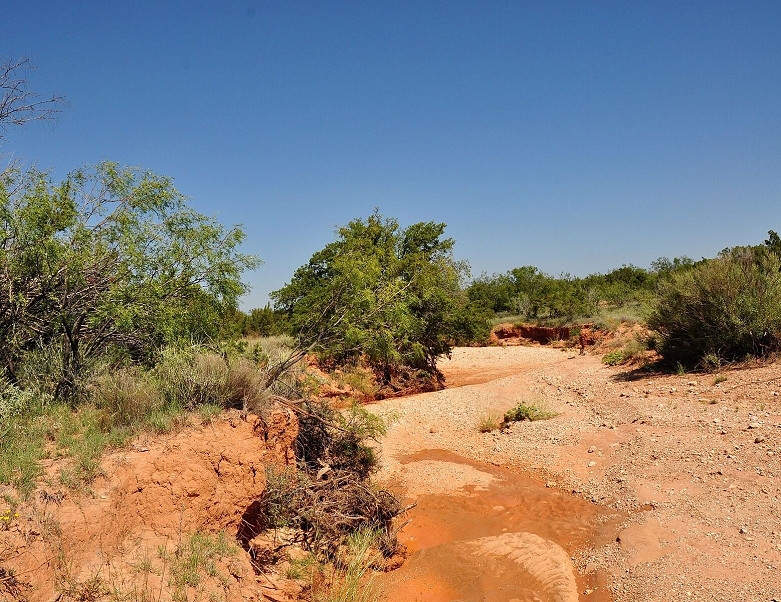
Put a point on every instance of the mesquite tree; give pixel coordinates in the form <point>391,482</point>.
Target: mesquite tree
<point>390,294</point>
<point>110,258</point>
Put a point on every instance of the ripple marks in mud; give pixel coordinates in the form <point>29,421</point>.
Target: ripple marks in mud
<point>543,560</point>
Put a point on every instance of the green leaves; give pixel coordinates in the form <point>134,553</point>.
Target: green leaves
<point>111,256</point>
<point>390,294</point>
<point>723,308</point>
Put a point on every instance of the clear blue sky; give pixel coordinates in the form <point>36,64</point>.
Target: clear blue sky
<point>575,136</point>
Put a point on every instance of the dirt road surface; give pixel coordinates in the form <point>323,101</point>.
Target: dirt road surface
<point>644,487</point>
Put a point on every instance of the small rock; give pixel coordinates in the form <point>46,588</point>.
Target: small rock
<point>743,530</point>
<point>754,425</point>
<point>759,439</point>
<point>592,464</point>
<point>432,430</point>
<point>550,484</point>
<point>592,449</point>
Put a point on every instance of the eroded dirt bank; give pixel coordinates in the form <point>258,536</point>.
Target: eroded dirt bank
<point>121,539</point>
<point>643,488</point>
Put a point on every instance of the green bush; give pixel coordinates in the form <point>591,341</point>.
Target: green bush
<point>388,294</point>
<point>528,411</point>
<point>614,358</point>
<point>16,402</point>
<point>721,310</point>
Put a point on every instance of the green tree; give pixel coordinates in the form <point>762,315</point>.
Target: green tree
<point>773,242</point>
<point>392,294</point>
<point>111,257</point>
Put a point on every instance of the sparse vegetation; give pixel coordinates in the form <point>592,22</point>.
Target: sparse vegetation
<point>488,422</point>
<point>194,559</point>
<point>528,410</point>
<point>118,404</point>
<point>633,349</point>
<point>351,579</point>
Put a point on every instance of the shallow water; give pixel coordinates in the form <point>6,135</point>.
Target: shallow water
<point>509,539</point>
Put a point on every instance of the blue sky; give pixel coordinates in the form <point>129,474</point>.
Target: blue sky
<point>574,136</point>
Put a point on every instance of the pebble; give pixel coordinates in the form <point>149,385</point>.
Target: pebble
<point>592,464</point>
<point>592,449</point>
<point>759,439</point>
<point>754,425</point>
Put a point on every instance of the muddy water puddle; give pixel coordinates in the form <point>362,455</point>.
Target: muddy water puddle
<point>482,532</point>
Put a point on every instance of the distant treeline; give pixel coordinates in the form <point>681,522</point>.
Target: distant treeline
<point>524,292</point>
<point>259,322</point>
<point>531,294</point>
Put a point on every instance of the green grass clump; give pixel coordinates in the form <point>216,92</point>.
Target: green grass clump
<point>195,558</point>
<point>21,450</point>
<point>528,411</point>
<point>352,579</point>
<point>488,423</point>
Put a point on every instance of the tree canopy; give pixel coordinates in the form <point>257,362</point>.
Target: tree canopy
<point>110,257</point>
<point>392,294</point>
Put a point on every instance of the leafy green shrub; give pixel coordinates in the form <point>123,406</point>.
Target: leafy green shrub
<point>110,258</point>
<point>16,402</point>
<point>614,358</point>
<point>720,310</point>
<point>528,411</point>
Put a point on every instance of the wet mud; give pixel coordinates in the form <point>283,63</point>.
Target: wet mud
<point>503,537</point>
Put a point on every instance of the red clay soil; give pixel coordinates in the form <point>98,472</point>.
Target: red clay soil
<point>518,334</point>
<point>203,479</point>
